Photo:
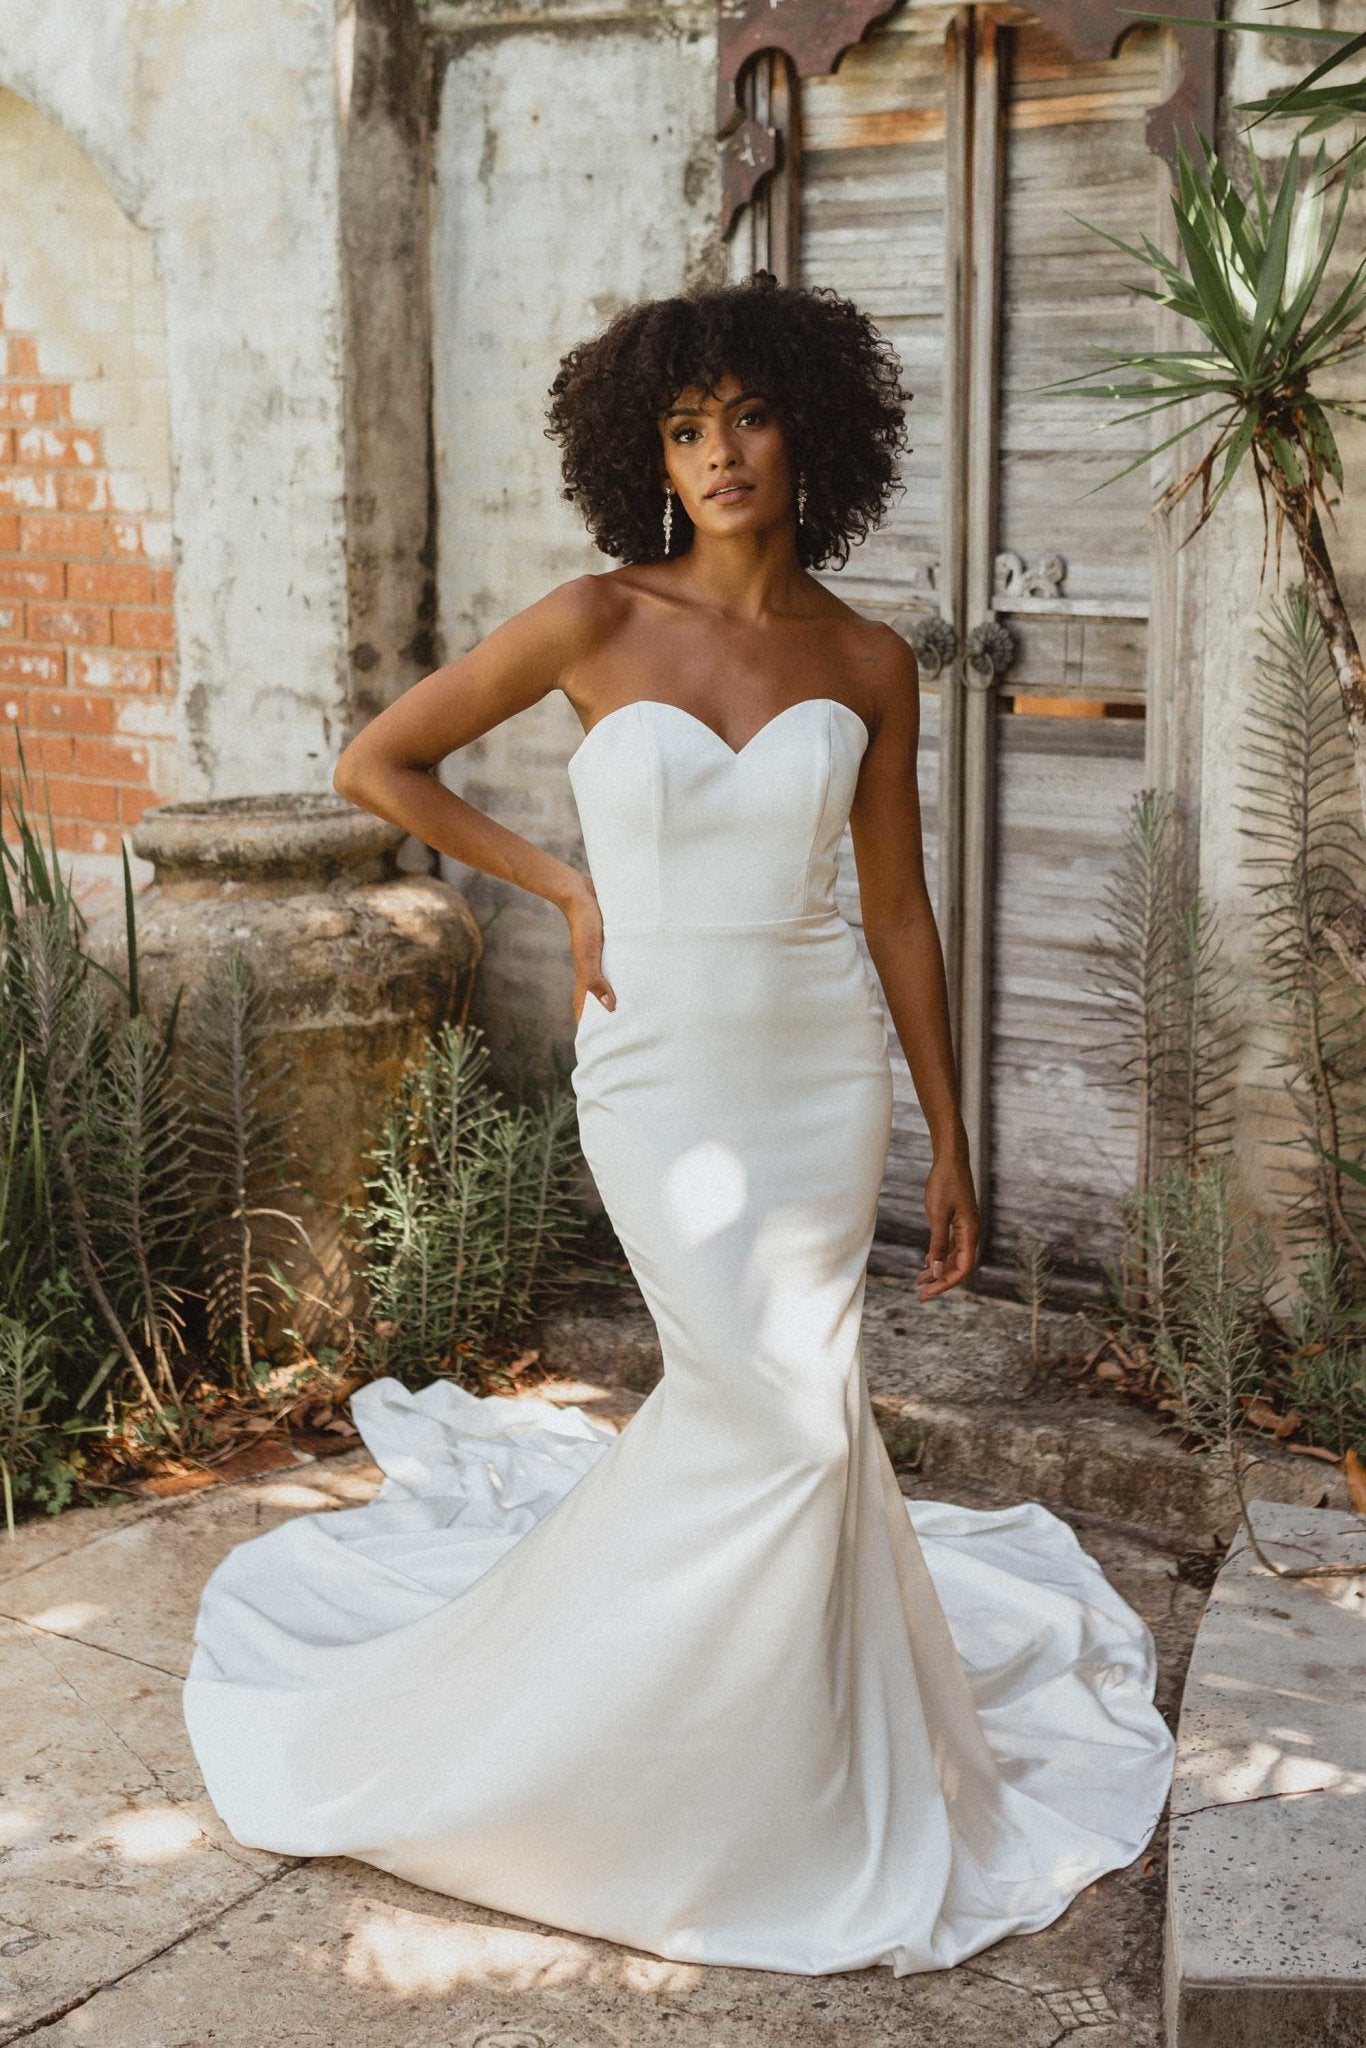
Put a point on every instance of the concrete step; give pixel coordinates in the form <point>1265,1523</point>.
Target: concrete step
<point>959,1402</point>
<point>1267,1871</point>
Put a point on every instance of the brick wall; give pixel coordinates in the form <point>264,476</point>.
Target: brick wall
<point>86,620</point>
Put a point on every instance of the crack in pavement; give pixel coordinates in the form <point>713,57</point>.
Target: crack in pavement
<point>60,2011</point>
<point>65,1679</point>
<point>60,1635</point>
<point>1253,1799</point>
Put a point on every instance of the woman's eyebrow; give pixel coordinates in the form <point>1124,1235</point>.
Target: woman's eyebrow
<point>695,411</point>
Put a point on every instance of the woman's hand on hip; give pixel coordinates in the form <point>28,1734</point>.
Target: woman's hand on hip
<point>585,933</point>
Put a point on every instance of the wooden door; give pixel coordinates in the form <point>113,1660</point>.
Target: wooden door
<point>934,177</point>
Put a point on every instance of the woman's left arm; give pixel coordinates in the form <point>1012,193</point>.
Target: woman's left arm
<point>903,940</point>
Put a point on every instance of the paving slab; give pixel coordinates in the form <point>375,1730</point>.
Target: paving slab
<point>109,1848</point>
<point>134,1587</point>
<point>333,1953</point>
<point>1266,1928</point>
<point>957,1397</point>
<point>131,1920</point>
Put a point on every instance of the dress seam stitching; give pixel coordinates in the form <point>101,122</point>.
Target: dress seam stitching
<point>824,802</point>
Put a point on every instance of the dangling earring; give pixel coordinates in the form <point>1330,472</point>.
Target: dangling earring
<point>668,518</point>
<point>801,499</point>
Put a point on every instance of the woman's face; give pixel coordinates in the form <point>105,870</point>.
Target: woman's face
<point>725,455</point>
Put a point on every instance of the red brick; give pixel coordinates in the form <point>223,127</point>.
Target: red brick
<point>25,403</point>
<point>83,490</point>
<point>27,490</point>
<point>6,444</point>
<point>30,665</point>
<point>100,669</point>
<point>13,708</point>
<point>86,623</point>
<point>83,838</point>
<point>11,620</point>
<point>125,537</point>
<point>164,593</point>
<point>143,629</point>
<point>109,760</point>
<point>58,447</point>
<point>32,579</point>
<point>21,356</point>
<point>98,801</point>
<point>42,754</point>
<point>133,802</point>
<point>110,582</point>
<point>9,532</point>
<point>62,533</point>
<point>70,711</point>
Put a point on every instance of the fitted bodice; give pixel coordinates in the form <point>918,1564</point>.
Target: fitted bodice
<point>682,829</point>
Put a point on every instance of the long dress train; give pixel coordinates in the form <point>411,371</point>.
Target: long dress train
<point>710,1688</point>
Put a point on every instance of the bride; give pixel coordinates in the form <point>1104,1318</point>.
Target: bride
<point>711,1688</point>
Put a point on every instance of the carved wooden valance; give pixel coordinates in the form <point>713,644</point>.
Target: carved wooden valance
<point>814,34</point>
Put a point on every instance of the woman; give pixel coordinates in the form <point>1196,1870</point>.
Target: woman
<point>711,1688</point>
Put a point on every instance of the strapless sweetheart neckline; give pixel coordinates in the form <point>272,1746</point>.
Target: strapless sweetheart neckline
<point>663,704</point>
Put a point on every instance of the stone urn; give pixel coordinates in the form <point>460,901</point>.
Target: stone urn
<point>356,963</point>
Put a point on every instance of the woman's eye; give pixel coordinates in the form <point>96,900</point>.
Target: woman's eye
<point>756,418</point>
<point>682,433</point>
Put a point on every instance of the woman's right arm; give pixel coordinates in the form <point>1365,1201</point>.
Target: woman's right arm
<point>389,767</point>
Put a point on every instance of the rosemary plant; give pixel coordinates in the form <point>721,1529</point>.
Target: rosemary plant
<point>470,1211</point>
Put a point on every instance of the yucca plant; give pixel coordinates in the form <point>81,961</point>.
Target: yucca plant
<point>1252,277</point>
<point>1307,863</point>
<point>470,1211</point>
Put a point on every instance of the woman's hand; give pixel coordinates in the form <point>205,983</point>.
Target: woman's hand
<point>585,933</point>
<point>955,1226</point>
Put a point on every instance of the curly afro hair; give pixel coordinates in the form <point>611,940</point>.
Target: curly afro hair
<point>831,378</point>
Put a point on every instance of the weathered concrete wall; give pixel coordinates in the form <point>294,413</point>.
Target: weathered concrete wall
<point>87,677</point>
<point>234,136</point>
<point>384,89</point>
<point>1222,675</point>
<point>574,172</point>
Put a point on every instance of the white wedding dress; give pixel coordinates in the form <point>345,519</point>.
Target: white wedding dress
<point>710,1688</point>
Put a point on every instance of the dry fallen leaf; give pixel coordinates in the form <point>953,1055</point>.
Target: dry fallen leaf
<point>1356,1481</point>
<point>1315,1451</point>
<point>1109,1370</point>
<point>1264,1416</point>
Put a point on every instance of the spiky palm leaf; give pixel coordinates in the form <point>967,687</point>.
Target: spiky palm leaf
<point>1250,286</point>
<point>1169,993</point>
<point>240,1121</point>
<point>1308,100</point>
<point>141,1166</point>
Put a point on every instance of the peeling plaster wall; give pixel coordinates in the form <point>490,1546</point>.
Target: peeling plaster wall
<point>574,172</point>
<point>215,124</point>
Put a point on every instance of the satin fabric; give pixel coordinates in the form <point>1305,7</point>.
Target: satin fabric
<point>710,1688</point>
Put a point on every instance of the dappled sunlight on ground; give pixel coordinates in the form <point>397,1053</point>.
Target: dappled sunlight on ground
<point>152,1834</point>
<point>414,1954</point>
<point>68,1620</point>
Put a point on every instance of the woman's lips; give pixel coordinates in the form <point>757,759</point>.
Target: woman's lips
<point>728,493</point>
